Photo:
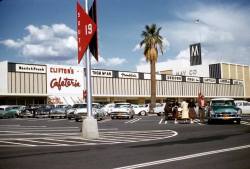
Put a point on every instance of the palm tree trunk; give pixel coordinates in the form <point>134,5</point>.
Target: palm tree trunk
<point>153,84</point>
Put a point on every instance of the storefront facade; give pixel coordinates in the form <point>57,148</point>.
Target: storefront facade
<point>60,84</point>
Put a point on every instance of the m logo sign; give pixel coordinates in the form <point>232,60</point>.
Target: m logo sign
<point>195,54</point>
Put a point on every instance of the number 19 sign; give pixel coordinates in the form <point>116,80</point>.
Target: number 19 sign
<point>86,28</point>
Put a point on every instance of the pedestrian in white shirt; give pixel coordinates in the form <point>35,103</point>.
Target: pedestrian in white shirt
<point>185,111</point>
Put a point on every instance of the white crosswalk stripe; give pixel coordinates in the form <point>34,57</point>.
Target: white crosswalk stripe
<point>55,136</point>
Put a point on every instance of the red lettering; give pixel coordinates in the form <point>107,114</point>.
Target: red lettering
<point>66,82</point>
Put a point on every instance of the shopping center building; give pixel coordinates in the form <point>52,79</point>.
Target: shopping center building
<point>24,83</point>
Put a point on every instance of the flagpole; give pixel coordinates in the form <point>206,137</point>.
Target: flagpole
<point>88,77</point>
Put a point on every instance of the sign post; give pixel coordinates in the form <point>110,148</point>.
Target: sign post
<point>86,30</point>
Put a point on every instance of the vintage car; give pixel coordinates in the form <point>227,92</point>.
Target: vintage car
<point>6,114</point>
<point>59,111</point>
<point>141,110</point>
<point>223,109</point>
<point>243,105</point>
<point>108,108</point>
<point>159,108</point>
<point>44,111</point>
<point>11,110</point>
<point>81,113</point>
<point>122,110</point>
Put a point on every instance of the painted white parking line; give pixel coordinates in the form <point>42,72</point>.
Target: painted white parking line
<point>134,120</point>
<point>69,141</point>
<point>152,163</point>
<point>74,139</point>
<point>15,143</point>
<point>160,121</point>
<point>108,129</point>
<point>245,123</point>
<point>41,142</point>
<point>14,125</point>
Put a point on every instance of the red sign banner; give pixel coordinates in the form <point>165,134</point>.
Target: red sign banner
<point>86,28</point>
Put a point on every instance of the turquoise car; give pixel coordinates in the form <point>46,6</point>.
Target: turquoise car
<point>7,114</point>
<point>223,109</point>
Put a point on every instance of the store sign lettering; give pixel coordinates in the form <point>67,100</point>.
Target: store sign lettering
<point>101,73</point>
<point>30,68</point>
<point>62,70</point>
<point>64,82</point>
<point>209,80</point>
<point>128,75</point>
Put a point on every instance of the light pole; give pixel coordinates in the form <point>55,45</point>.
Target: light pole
<point>89,124</point>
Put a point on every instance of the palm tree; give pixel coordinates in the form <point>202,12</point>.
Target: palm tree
<point>152,41</point>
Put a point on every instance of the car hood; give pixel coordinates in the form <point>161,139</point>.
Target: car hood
<point>224,109</point>
<point>120,109</point>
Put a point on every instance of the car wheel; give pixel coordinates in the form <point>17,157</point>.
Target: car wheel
<point>158,114</point>
<point>238,122</point>
<point>143,113</point>
<point>112,118</point>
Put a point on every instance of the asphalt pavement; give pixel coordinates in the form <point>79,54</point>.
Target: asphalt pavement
<point>137,143</point>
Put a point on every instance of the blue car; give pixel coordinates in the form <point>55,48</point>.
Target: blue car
<point>223,109</point>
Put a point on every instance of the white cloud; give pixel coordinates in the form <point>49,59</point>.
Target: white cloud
<point>223,32</point>
<point>54,43</point>
<point>180,65</point>
<point>107,62</point>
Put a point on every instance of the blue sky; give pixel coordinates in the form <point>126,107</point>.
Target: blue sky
<point>43,31</point>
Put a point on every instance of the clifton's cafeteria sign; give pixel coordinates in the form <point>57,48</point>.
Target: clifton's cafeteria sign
<point>64,80</point>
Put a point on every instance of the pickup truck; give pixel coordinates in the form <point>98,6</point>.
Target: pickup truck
<point>243,105</point>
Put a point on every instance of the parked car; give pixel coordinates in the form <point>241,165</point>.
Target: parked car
<point>223,109</point>
<point>141,109</point>
<point>159,108</point>
<point>59,111</point>
<point>108,108</point>
<point>27,112</point>
<point>81,112</point>
<point>6,114</point>
<point>44,111</point>
<point>243,105</point>
<point>122,110</point>
<point>12,110</point>
<point>99,114</point>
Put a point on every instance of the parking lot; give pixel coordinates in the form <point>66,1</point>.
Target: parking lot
<point>40,139</point>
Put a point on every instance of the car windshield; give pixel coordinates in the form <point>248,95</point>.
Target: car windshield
<point>122,106</point>
<point>223,103</point>
<point>80,106</point>
<point>60,106</point>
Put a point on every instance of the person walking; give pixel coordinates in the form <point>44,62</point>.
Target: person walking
<point>185,111</point>
<point>192,113</point>
<point>175,111</point>
<point>167,110</point>
<point>202,105</point>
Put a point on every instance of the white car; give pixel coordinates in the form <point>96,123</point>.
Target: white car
<point>159,108</point>
<point>243,105</point>
<point>108,108</point>
<point>141,110</point>
<point>122,110</point>
<point>79,110</point>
